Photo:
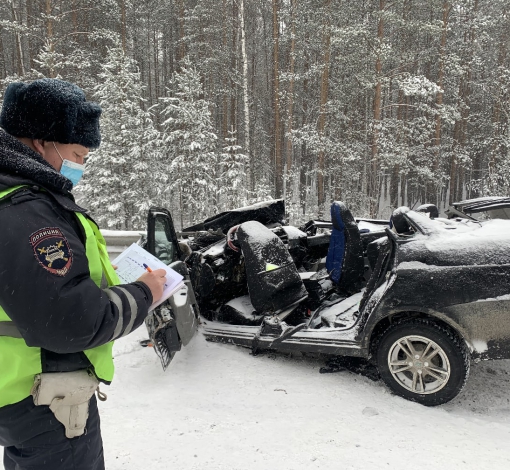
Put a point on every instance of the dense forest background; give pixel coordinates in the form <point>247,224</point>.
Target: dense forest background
<point>213,104</point>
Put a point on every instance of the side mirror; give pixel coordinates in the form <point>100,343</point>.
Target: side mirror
<point>162,239</point>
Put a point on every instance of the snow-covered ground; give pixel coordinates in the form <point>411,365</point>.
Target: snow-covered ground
<point>218,407</point>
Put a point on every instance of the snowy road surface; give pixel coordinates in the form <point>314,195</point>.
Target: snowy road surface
<point>218,407</point>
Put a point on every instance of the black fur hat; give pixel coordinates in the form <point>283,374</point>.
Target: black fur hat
<point>52,110</point>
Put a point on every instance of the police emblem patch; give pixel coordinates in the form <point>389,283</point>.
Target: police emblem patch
<point>52,250</point>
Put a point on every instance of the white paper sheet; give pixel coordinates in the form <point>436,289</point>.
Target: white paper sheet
<point>130,266</point>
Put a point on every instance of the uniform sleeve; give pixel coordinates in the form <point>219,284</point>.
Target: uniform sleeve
<point>45,284</point>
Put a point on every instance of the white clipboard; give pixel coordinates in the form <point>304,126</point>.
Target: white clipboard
<point>134,261</point>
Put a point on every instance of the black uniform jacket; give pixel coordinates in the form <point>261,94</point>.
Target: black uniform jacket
<point>45,284</point>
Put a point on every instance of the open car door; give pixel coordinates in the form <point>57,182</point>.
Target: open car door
<point>175,321</point>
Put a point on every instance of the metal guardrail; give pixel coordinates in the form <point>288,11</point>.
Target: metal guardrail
<point>118,240</point>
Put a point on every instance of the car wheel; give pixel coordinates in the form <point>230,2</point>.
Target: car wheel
<point>423,361</point>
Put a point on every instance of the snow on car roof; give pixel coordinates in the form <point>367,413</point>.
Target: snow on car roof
<point>495,230</point>
<point>460,243</point>
<point>487,243</point>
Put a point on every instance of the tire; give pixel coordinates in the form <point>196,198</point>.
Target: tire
<point>443,360</point>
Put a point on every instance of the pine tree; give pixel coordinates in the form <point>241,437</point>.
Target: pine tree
<point>377,103</point>
<point>234,173</point>
<point>123,178</point>
<point>51,61</point>
<point>190,146</point>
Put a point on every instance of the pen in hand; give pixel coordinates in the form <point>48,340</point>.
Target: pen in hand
<point>147,268</point>
<point>154,280</point>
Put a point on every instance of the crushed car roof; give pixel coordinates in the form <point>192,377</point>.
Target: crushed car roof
<point>495,206</point>
<point>267,212</point>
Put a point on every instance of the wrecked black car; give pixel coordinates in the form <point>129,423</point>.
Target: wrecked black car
<point>488,207</point>
<point>419,297</point>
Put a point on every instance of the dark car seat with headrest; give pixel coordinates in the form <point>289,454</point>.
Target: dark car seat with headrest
<point>272,277</point>
<point>344,261</point>
<point>398,223</point>
<point>430,209</point>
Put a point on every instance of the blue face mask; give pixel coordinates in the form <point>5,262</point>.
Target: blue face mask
<point>71,170</point>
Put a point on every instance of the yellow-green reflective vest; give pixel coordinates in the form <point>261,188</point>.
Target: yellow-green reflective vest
<point>19,363</point>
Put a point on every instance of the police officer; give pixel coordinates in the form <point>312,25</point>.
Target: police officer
<point>61,305</point>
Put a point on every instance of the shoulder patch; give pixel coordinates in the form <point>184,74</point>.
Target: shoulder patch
<point>52,250</point>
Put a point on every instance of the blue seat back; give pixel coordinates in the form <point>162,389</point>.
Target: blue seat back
<point>336,251</point>
<point>344,261</point>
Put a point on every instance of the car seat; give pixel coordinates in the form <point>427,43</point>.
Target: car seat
<point>273,280</point>
<point>430,209</point>
<point>344,261</point>
<point>398,223</point>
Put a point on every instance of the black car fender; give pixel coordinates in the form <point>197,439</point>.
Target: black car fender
<point>379,322</point>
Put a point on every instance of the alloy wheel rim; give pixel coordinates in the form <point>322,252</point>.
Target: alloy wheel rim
<point>419,364</point>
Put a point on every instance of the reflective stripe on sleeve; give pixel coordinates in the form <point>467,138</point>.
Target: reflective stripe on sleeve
<point>118,303</point>
<point>104,282</point>
<point>133,307</point>
<point>8,328</point>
